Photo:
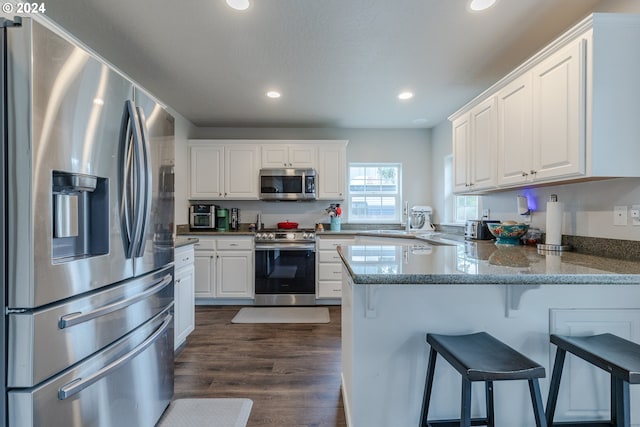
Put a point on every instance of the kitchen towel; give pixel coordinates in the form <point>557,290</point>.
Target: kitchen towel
<point>555,211</point>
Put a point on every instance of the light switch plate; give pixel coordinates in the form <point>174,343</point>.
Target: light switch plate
<point>619,215</point>
<point>635,215</point>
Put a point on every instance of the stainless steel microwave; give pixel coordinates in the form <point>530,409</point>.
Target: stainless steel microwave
<point>287,184</point>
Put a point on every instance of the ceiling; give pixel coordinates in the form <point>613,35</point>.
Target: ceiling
<point>337,63</point>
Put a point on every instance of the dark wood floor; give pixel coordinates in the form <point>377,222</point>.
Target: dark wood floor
<point>290,371</point>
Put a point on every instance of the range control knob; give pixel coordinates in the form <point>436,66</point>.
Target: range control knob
<point>270,236</point>
<point>308,236</point>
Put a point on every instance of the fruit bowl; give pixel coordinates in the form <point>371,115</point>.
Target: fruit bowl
<point>508,234</point>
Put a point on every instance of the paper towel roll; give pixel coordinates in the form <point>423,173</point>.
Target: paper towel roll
<point>554,223</point>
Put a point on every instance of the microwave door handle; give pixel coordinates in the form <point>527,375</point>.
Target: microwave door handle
<point>79,384</point>
<point>147,191</point>
<point>125,153</point>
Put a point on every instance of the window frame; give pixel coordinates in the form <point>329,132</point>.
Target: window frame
<point>397,196</point>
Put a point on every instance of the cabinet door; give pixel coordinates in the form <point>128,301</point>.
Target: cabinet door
<point>204,265</point>
<point>483,145</point>
<point>558,113</point>
<point>241,172</point>
<point>515,139</point>
<point>184,307</point>
<point>235,276</point>
<point>461,131</point>
<point>275,156</point>
<point>302,156</point>
<point>332,168</point>
<point>206,163</point>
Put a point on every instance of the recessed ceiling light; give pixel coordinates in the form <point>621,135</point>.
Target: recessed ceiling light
<point>480,5</point>
<point>238,4</point>
<point>273,94</point>
<point>405,95</point>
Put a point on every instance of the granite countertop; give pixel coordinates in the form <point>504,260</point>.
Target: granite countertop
<point>184,241</point>
<point>418,261</point>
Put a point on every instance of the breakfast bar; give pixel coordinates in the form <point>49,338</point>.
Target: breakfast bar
<point>396,292</point>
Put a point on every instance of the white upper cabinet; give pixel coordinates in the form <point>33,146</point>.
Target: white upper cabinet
<point>515,134</point>
<point>300,156</point>
<point>569,113</point>
<point>223,171</point>
<point>332,169</point>
<point>206,179</point>
<point>241,172</point>
<point>558,113</point>
<point>475,146</point>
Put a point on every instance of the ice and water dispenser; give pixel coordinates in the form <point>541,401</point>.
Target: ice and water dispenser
<point>80,222</point>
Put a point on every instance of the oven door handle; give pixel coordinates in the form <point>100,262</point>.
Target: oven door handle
<point>287,247</point>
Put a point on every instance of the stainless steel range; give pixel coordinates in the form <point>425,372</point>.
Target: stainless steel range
<point>285,267</point>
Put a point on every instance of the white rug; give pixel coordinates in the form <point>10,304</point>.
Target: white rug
<point>207,413</point>
<point>282,315</point>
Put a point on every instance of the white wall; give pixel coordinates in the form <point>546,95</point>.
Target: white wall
<point>411,147</point>
<point>588,206</point>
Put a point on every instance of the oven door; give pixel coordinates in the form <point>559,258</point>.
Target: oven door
<point>285,269</point>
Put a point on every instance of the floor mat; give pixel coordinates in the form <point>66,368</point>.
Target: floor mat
<point>207,413</point>
<point>282,315</point>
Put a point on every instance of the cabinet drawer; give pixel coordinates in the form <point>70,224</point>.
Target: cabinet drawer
<point>329,289</point>
<point>184,256</point>
<point>205,245</point>
<point>235,244</point>
<point>330,271</point>
<point>328,256</point>
<point>328,244</point>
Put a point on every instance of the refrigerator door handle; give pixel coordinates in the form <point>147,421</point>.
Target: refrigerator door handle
<point>139,178</point>
<point>79,384</point>
<point>130,185</point>
<point>146,196</point>
<point>72,319</point>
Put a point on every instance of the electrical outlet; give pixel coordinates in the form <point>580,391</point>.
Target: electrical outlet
<point>619,215</point>
<point>635,215</point>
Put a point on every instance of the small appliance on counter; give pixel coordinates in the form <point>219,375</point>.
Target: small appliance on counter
<point>235,218</point>
<point>476,229</point>
<point>222,223</point>
<point>420,218</point>
<point>202,216</point>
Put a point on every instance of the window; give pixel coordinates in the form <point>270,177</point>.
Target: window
<point>458,208</point>
<point>466,208</point>
<point>375,192</point>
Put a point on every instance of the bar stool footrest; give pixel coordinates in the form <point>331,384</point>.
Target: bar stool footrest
<point>598,423</point>
<point>456,422</point>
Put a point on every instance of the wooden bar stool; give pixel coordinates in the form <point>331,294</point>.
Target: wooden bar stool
<point>480,357</point>
<point>619,357</point>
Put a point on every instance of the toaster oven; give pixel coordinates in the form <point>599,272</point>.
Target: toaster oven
<point>476,229</point>
<point>202,216</point>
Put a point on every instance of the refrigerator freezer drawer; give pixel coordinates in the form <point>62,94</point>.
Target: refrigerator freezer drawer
<point>45,342</point>
<point>130,383</point>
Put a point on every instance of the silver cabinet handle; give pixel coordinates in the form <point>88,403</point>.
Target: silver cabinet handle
<point>72,319</point>
<point>79,384</point>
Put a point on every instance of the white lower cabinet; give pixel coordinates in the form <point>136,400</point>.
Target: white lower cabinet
<point>224,267</point>
<point>184,310</point>
<point>329,266</point>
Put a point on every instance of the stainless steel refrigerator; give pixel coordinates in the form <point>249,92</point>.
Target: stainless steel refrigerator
<point>87,213</point>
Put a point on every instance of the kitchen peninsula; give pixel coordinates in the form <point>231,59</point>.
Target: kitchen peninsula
<point>394,293</point>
